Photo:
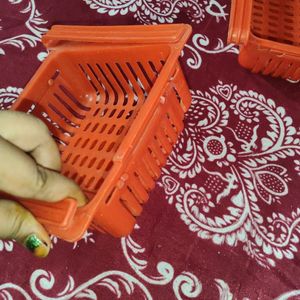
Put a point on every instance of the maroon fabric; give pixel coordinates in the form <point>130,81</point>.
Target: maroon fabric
<point>223,220</point>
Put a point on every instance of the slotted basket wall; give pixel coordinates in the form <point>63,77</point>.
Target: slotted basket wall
<point>114,99</point>
<point>268,32</point>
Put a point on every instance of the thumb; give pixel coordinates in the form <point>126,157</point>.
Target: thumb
<point>19,224</point>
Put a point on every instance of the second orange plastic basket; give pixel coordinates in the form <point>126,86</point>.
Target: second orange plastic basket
<point>268,32</point>
<point>114,99</point>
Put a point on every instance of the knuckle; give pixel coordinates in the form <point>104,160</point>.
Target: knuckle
<point>41,180</point>
<point>18,217</point>
<point>19,224</point>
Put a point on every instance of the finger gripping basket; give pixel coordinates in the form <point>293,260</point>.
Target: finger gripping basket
<point>114,99</point>
<point>268,32</point>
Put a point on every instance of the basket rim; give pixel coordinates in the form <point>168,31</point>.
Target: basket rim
<point>285,49</point>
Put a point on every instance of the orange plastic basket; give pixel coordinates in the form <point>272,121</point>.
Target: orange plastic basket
<point>268,32</point>
<point>114,99</point>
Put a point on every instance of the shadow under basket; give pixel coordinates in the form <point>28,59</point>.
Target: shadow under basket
<point>114,99</point>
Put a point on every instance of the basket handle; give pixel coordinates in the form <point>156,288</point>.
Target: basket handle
<point>134,34</point>
<point>240,21</point>
<point>58,214</point>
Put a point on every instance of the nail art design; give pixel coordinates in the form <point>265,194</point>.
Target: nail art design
<point>36,246</point>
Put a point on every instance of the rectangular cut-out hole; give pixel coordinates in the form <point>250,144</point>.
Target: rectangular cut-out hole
<point>169,139</point>
<point>59,141</point>
<point>145,73</point>
<point>81,179</point>
<point>121,114</point>
<point>110,196</point>
<point>96,112</point>
<point>70,95</point>
<point>83,161</point>
<point>68,107</point>
<point>109,166</point>
<point>288,27</point>
<point>68,158</point>
<point>87,126</point>
<point>110,147</point>
<point>97,76</point>
<point>111,84</point>
<point>88,78</point>
<point>61,116</point>
<point>274,10</point>
<point>177,95</point>
<point>90,182</point>
<point>101,146</point>
<point>136,100</point>
<point>112,113</point>
<point>85,143</point>
<point>103,128</point>
<point>120,130</point>
<point>93,144</point>
<point>256,24</point>
<point>74,176</point>
<point>153,68</point>
<point>95,127</point>
<point>55,74</point>
<point>100,164</point>
<point>103,112</point>
<point>152,153</point>
<point>99,183</point>
<point>112,128</point>
<point>129,82</point>
<point>75,159</point>
<point>119,83</point>
<point>129,114</point>
<point>138,81</point>
<point>91,163</point>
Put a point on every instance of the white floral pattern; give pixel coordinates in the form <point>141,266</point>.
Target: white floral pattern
<point>33,27</point>
<point>202,44</point>
<point>6,246</point>
<point>243,173</point>
<point>226,181</point>
<point>297,166</point>
<point>289,295</point>
<point>8,96</point>
<point>87,238</point>
<point>42,281</point>
<point>117,282</point>
<point>156,11</point>
<point>185,284</point>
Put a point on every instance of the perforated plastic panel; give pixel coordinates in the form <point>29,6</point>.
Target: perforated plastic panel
<point>277,20</point>
<point>115,111</point>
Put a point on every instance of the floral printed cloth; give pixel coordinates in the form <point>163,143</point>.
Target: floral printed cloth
<point>224,219</point>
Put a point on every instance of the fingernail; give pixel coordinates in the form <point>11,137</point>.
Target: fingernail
<point>34,244</point>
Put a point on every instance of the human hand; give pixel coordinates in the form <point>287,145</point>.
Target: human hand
<point>29,168</point>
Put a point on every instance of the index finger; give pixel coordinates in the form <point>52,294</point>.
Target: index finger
<point>32,136</point>
<point>22,177</point>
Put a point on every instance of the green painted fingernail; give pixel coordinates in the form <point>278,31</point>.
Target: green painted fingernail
<point>36,246</point>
